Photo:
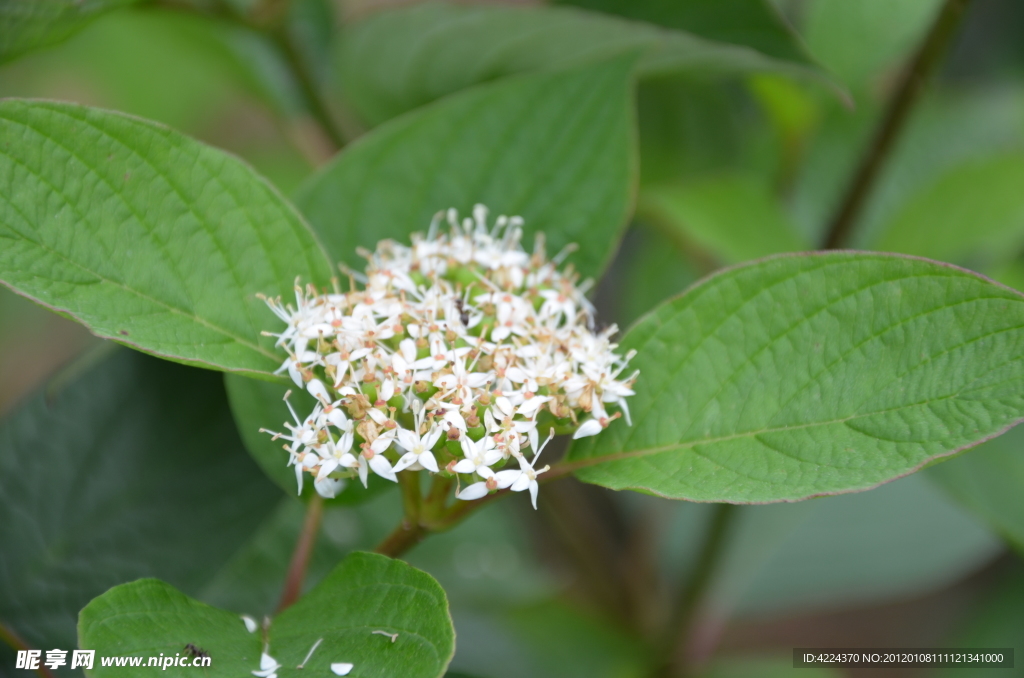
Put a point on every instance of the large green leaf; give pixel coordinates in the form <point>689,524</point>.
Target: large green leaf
<point>755,23</point>
<point>988,481</point>
<point>817,374</point>
<point>974,214</point>
<point>364,597</point>
<point>146,236</point>
<point>555,148</point>
<point>734,218</point>
<point>30,24</point>
<point>125,467</point>
<point>398,60</point>
<point>258,404</point>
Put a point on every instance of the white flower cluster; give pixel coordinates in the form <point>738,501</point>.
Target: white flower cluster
<point>452,357</point>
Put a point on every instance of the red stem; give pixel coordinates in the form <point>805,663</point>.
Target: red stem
<point>303,551</point>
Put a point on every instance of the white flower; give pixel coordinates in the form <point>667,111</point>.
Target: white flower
<point>418,449</point>
<point>480,454</point>
<point>341,668</point>
<point>459,330</point>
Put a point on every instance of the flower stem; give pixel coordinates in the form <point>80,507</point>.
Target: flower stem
<point>677,637</point>
<point>412,499</point>
<point>9,637</point>
<point>303,551</point>
<point>912,84</point>
<point>436,519</point>
<point>401,539</point>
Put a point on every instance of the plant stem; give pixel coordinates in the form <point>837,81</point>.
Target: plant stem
<point>303,551</point>
<point>692,592</point>
<point>401,539</point>
<point>411,497</point>
<point>11,638</point>
<point>309,87</point>
<point>437,519</point>
<point>912,84</point>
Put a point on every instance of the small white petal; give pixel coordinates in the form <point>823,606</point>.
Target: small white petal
<point>507,478</point>
<point>328,488</point>
<point>382,467</point>
<point>591,427</point>
<point>521,483</point>
<point>327,467</point>
<point>250,623</point>
<point>474,491</point>
<point>405,461</point>
<point>293,372</point>
<point>387,390</point>
<point>317,389</point>
<point>464,466</point>
<point>428,462</point>
<point>341,668</point>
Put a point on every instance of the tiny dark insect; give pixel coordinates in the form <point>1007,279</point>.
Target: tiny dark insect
<point>463,313</point>
<point>123,333</point>
<point>196,651</point>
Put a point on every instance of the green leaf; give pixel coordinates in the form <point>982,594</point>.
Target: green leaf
<point>973,214</point>
<point>555,148</point>
<point>988,481</point>
<point>838,31</point>
<point>150,618</point>
<point>121,468</point>
<point>258,404</point>
<point>398,60</point>
<point>735,218</point>
<point>146,236</point>
<point>815,374</point>
<point>30,24</point>
<point>754,23</point>
<point>364,594</point>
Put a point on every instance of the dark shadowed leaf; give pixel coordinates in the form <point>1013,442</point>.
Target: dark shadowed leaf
<point>755,23</point>
<point>398,60</point>
<point>127,467</point>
